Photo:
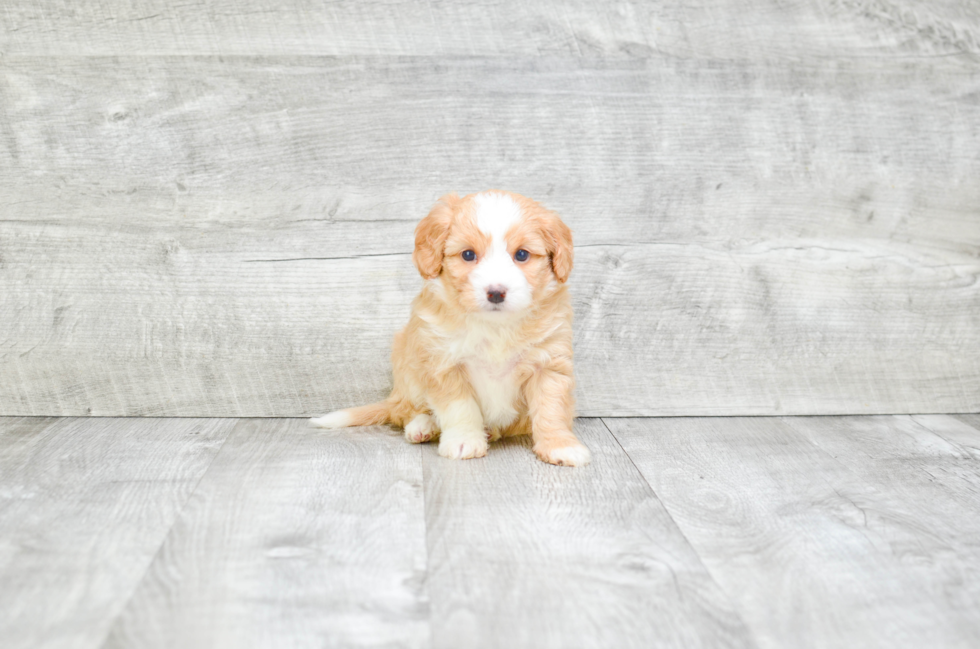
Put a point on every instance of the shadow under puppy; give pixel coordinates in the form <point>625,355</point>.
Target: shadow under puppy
<point>487,351</point>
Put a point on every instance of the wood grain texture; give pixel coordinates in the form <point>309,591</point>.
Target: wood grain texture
<point>627,151</point>
<point>659,329</point>
<point>815,554</point>
<point>959,430</point>
<point>525,554</point>
<point>802,532</point>
<point>929,514</point>
<point>84,506</point>
<point>712,29</point>
<point>210,236</point>
<point>296,537</point>
<point>968,436</point>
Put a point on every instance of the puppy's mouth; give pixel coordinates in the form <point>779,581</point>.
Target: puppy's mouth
<point>489,307</point>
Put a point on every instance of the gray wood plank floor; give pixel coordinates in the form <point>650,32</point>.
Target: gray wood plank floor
<point>683,532</point>
<point>84,506</point>
<point>295,537</point>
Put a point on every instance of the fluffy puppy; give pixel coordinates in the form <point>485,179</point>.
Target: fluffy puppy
<point>487,351</point>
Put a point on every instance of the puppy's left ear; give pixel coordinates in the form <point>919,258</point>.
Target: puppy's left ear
<point>431,234</point>
<point>560,244</point>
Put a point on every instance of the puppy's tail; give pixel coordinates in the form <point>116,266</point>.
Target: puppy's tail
<point>375,413</point>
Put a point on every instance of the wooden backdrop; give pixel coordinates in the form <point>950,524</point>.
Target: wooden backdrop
<point>207,209</point>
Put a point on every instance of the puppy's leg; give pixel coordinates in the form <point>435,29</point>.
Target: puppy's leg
<point>422,428</point>
<point>550,404</point>
<point>461,423</point>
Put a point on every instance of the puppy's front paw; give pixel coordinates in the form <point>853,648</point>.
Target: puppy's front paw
<point>422,428</point>
<point>463,447</point>
<point>563,451</point>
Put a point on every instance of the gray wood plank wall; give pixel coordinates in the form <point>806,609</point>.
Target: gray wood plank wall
<point>209,210</point>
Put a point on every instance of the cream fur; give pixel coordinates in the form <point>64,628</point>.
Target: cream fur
<point>336,419</point>
<point>468,370</point>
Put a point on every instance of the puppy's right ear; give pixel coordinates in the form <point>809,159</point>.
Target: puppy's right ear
<point>431,234</point>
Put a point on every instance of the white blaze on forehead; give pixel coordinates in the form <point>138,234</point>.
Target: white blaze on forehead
<point>495,213</point>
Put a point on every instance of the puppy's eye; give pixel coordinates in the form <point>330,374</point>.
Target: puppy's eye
<point>469,255</point>
<point>521,255</point>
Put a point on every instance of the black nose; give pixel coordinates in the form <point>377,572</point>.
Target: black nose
<point>496,296</point>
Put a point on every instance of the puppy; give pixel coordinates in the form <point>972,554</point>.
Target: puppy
<point>487,351</point>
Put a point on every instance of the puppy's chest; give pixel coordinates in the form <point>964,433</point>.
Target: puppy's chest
<point>493,376</point>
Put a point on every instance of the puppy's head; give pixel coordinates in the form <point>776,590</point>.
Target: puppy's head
<point>497,251</point>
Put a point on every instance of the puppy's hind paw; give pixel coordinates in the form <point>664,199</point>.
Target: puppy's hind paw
<point>422,428</point>
<point>335,419</point>
<point>563,452</point>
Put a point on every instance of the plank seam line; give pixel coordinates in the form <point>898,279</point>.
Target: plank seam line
<point>960,447</point>
<point>163,541</point>
<point>707,571</point>
<point>654,492</point>
<point>379,254</point>
<point>425,521</point>
<point>854,474</point>
<point>750,415</point>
